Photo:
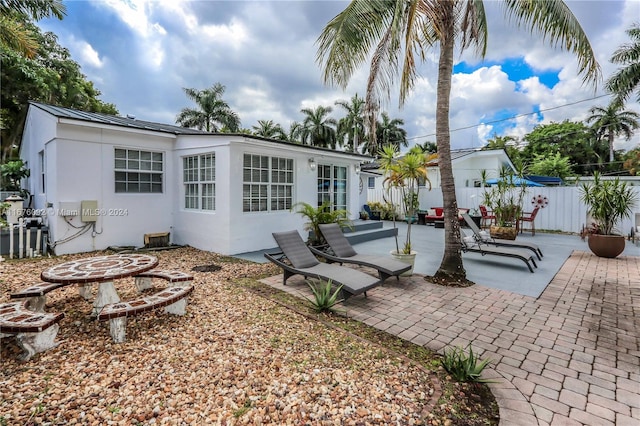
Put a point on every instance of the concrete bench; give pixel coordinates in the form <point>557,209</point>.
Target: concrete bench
<point>36,295</point>
<point>145,279</point>
<point>173,299</point>
<point>35,331</point>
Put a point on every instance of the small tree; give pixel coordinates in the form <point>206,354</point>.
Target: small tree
<point>12,174</point>
<point>406,174</point>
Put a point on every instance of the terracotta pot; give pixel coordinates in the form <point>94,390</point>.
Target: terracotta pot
<point>606,245</point>
<point>503,232</point>
<point>409,259</point>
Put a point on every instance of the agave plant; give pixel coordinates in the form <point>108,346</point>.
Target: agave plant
<point>323,299</point>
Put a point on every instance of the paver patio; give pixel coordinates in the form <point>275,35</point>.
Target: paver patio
<point>569,357</point>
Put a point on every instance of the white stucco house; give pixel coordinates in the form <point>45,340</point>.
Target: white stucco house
<point>467,165</point>
<point>101,181</point>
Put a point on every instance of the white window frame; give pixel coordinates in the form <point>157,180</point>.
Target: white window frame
<point>138,171</point>
<point>267,183</point>
<point>199,179</point>
<point>371,182</point>
<point>43,170</point>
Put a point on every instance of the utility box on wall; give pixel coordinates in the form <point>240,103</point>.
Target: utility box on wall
<point>89,210</point>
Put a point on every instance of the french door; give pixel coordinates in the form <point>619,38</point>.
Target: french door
<point>332,186</point>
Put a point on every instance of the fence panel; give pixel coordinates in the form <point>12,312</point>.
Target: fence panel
<point>564,212</point>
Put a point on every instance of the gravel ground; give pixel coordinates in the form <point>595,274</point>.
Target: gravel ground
<point>234,358</point>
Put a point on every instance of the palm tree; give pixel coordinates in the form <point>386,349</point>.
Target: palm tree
<point>269,129</point>
<point>14,34</point>
<point>295,132</point>
<point>400,33</point>
<point>389,132</point>
<point>317,128</point>
<point>352,126</point>
<point>213,113</point>
<point>626,79</point>
<point>613,121</point>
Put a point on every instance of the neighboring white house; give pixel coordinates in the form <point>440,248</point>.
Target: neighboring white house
<point>104,181</point>
<point>467,165</point>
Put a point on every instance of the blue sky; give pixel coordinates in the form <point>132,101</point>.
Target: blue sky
<point>141,53</point>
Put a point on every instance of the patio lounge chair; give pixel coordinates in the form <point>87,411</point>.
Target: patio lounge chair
<point>484,249</point>
<point>343,252</point>
<point>297,259</point>
<point>500,242</point>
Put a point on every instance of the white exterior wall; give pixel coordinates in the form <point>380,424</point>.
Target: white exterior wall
<point>80,166</point>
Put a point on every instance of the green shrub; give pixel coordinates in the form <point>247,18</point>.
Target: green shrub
<point>463,367</point>
<point>323,299</point>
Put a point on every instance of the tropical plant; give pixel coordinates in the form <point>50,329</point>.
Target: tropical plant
<point>390,132</point>
<point>405,174</point>
<point>317,128</point>
<point>318,216</point>
<point>400,32</point>
<point>626,79</point>
<point>51,76</point>
<point>613,121</point>
<point>212,114</point>
<point>12,173</point>
<point>323,299</point>
<point>352,126</point>
<point>269,129</point>
<point>552,165</point>
<point>463,367</point>
<point>632,162</point>
<point>14,34</point>
<point>608,201</point>
<point>505,198</point>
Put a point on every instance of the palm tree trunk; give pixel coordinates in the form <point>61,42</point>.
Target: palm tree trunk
<point>451,266</point>
<point>611,135</point>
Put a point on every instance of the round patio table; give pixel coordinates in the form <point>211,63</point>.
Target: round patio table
<point>99,269</point>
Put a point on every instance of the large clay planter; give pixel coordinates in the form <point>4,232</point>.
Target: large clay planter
<point>503,232</point>
<point>409,259</point>
<point>606,245</point>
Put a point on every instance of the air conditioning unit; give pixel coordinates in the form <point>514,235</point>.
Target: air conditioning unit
<point>159,239</point>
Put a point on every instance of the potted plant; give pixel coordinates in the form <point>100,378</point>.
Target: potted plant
<point>608,202</point>
<point>318,216</point>
<point>505,201</point>
<point>405,175</point>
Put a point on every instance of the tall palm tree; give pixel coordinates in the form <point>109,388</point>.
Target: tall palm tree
<point>295,132</point>
<point>400,33</point>
<point>352,126</point>
<point>389,132</point>
<point>613,121</point>
<point>626,79</point>
<point>14,34</point>
<point>213,113</point>
<point>317,128</point>
<point>269,129</point>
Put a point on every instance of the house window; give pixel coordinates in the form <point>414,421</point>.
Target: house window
<point>199,174</point>
<point>371,183</point>
<point>267,183</point>
<point>42,171</point>
<point>138,171</point>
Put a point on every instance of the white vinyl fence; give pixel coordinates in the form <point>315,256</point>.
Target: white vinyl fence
<point>564,212</point>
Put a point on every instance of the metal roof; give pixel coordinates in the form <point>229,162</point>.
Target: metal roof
<point>133,123</point>
<point>114,120</point>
